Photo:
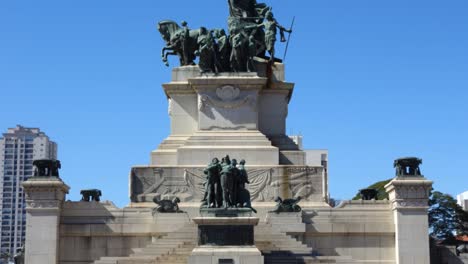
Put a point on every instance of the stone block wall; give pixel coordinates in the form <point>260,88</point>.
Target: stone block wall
<point>363,230</point>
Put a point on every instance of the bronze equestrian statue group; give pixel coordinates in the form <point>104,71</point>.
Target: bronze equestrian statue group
<point>252,32</point>
<point>225,185</point>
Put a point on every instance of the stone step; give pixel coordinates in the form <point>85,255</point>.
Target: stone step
<point>171,243</point>
<point>269,241</point>
<point>126,260</point>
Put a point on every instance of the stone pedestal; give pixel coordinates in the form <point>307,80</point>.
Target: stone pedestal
<point>44,199</point>
<point>227,113</point>
<point>170,222</point>
<point>409,197</point>
<point>290,223</point>
<point>226,237</point>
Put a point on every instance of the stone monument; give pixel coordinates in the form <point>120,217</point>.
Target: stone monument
<point>235,105</point>
<point>228,100</point>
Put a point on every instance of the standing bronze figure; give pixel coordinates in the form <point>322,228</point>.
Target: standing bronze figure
<point>225,185</point>
<point>270,24</point>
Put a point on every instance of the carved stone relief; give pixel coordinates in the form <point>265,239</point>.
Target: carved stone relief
<point>187,183</point>
<point>228,93</point>
<point>206,100</point>
<point>411,196</point>
<point>42,204</point>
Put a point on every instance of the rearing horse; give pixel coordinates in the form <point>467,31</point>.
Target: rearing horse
<point>178,42</point>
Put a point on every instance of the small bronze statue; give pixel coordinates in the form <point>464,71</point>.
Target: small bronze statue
<point>368,194</point>
<point>46,168</point>
<point>287,206</point>
<point>167,206</point>
<point>91,195</point>
<point>223,48</point>
<point>225,185</point>
<point>213,191</point>
<point>180,41</point>
<point>206,51</point>
<point>239,54</point>
<point>407,167</point>
<point>271,25</point>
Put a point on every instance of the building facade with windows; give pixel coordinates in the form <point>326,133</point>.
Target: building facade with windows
<point>19,146</point>
<point>463,200</point>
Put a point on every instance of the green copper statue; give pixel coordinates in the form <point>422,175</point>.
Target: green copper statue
<point>223,48</point>
<point>182,42</point>
<point>270,24</point>
<point>206,51</point>
<point>252,31</point>
<point>213,191</point>
<point>225,185</point>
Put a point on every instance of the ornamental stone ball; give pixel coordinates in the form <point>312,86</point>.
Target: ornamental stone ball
<point>408,167</point>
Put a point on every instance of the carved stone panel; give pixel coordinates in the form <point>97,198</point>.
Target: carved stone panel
<point>266,183</point>
<point>409,194</point>
<point>227,107</point>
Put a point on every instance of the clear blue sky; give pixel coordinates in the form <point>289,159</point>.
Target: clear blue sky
<point>375,80</point>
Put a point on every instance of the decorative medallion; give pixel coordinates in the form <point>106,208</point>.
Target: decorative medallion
<point>228,93</point>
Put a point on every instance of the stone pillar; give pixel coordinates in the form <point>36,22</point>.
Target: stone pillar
<point>409,197</point>
<point>44,199</point>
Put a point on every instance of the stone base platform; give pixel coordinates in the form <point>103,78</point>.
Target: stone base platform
<point>290,223</point>
<point>226,255</point>
<point>226,236</point>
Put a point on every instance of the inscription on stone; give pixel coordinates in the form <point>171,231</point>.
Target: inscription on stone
<point>225,235</point>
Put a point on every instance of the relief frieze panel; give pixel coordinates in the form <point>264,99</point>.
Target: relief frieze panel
<point>266,183</point>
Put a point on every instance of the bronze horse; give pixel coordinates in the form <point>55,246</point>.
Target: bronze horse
<point>180,41</point>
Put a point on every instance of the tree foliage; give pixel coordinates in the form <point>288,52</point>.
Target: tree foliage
<point>446,218</point>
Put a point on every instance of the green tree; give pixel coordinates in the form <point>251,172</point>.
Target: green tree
<point>446,218</point>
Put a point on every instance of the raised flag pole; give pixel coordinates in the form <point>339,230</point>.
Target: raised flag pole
<point>289,37</point>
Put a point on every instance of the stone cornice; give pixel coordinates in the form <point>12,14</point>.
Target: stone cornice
<point>51,184</point>
<point>409,193</point>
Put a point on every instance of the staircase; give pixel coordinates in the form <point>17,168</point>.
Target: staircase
<point>175,248</point>
<point>279,248</point>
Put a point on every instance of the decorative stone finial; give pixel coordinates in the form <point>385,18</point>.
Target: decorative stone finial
<point>368,194</point>
<point>46,168</point>
<point>408,167</point>
<point>91,195</point>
